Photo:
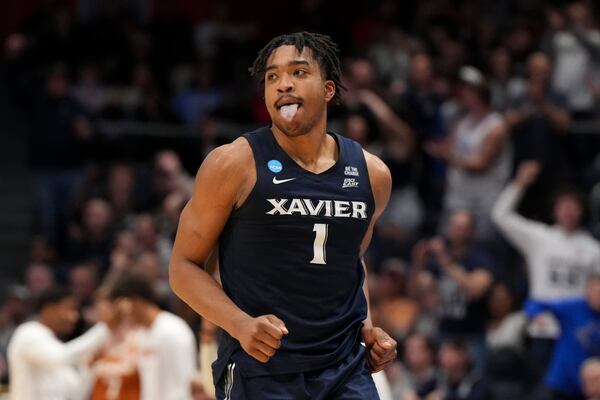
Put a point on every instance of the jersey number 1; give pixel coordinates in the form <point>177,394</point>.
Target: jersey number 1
<point>319,245</point>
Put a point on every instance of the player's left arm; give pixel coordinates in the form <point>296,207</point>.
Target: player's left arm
<point>381,347</point>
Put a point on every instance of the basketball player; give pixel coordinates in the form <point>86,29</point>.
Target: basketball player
<point>292,208</point>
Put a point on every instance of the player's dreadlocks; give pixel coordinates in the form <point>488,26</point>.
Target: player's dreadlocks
<point>324,50</point>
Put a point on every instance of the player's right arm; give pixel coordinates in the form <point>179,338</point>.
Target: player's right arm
<point>224,180</point>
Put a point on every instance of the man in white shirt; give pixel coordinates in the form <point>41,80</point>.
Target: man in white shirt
<point>41,366</point>
<point>168,359</point>
<point>559,257</point>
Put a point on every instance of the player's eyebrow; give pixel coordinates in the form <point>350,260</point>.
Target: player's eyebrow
<point>290,64</point>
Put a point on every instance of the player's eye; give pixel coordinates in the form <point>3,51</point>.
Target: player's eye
<point>271,77</point>
<point>299,72</point>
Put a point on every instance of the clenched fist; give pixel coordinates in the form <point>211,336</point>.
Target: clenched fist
<point>260,337</point>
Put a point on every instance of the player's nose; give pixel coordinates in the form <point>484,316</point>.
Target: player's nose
<point>285,84</point>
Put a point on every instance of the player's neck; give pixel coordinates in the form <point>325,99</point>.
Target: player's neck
<point>308,150</point>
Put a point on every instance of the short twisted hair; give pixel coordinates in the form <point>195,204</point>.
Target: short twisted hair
<point>323,49</point>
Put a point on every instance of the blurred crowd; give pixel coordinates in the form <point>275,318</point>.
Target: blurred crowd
<point>485,265</point>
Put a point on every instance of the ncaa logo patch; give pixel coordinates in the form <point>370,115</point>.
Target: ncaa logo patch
<point>275,166</point>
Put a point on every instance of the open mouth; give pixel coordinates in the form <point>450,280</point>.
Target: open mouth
<point>288,107</point>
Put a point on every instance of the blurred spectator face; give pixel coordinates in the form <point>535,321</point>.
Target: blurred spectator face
<point>592,293</point>
<point>83,280</point>
<point>500,64</point>
<point>417,353</point>
<point>539,68</point>
<point>172,207</point>
<point>38,278</point>
<point>461,227</point>
<point>357,129</point>
<point>421,71</point>
<point>145,231</point>
<point>167,169</point>
<point>15,308</point>
<point>361,74</point>
<point>590,379</point>
<point>104,309</point>
<point>567,212</point>
<point>97,217</point>
<point>148,266</point>
<point>57,84</point>
<point>579,14</point>
<point>501,301</point>
<point>470,98</point>
<point>126,243</point>
<point>121,179</point>
<point>454,361</point>
<point>63,315</point>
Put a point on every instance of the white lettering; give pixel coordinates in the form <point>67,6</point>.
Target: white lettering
<point>359,209</point>
<point>312,210</point>
<point>325,208</point>
<point>340,207</point>
<point>328,208</point>
<point>278,206</point>
<point>296,207</point>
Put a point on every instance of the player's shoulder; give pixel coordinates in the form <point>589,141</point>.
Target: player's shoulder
<point>232,155</point>
<point>378,170</point>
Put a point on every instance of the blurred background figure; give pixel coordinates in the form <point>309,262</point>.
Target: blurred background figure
<point>41,366</point>
<point>590,378</point>
<point>477,152</point>
<point>168,348</point>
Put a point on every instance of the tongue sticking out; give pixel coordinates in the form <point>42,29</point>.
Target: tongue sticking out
<point>288,111</point>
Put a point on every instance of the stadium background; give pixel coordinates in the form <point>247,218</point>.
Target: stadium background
<point>107,109</point>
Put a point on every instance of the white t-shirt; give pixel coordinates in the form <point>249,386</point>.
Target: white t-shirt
<point>558,263</point>
<point>42,367</point>
<point>168,360</point>
<point>476,191</point>
<point>574,67</point>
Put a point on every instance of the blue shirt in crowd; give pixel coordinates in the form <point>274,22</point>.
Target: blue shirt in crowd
<point>579,340</point>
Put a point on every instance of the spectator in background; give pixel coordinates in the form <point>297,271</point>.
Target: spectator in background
<point>575,47</point>
<point>478,155</point>
<point>391,308</point>
<point>168,349</point>
<point>420,106</point>
<point>61,131</point>
<point>92,239</point>
<point>89,91</point>
<point>115,368</point>
<point>418,375</point>
<point>149,239</point>
<point>505,343</point>
<point>506,327</point>
<point>504,86</point>
<point>579,338</point>
<point>559,257</point>
<point>121,192</point>
<point>14,308</point>
<point>459,380</point>
<point>38,278</point>
<point>537,119</point>
<point>463,271</point>
<point>590,378</point>
<point>41,366</point>
<point>169,176</point>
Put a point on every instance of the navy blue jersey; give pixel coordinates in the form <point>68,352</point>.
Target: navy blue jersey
<point>293,250</point>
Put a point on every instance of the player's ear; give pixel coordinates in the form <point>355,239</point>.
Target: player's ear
<point>329,90</point>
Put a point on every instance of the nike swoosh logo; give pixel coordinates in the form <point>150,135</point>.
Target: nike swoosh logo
<point>277,182</point>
